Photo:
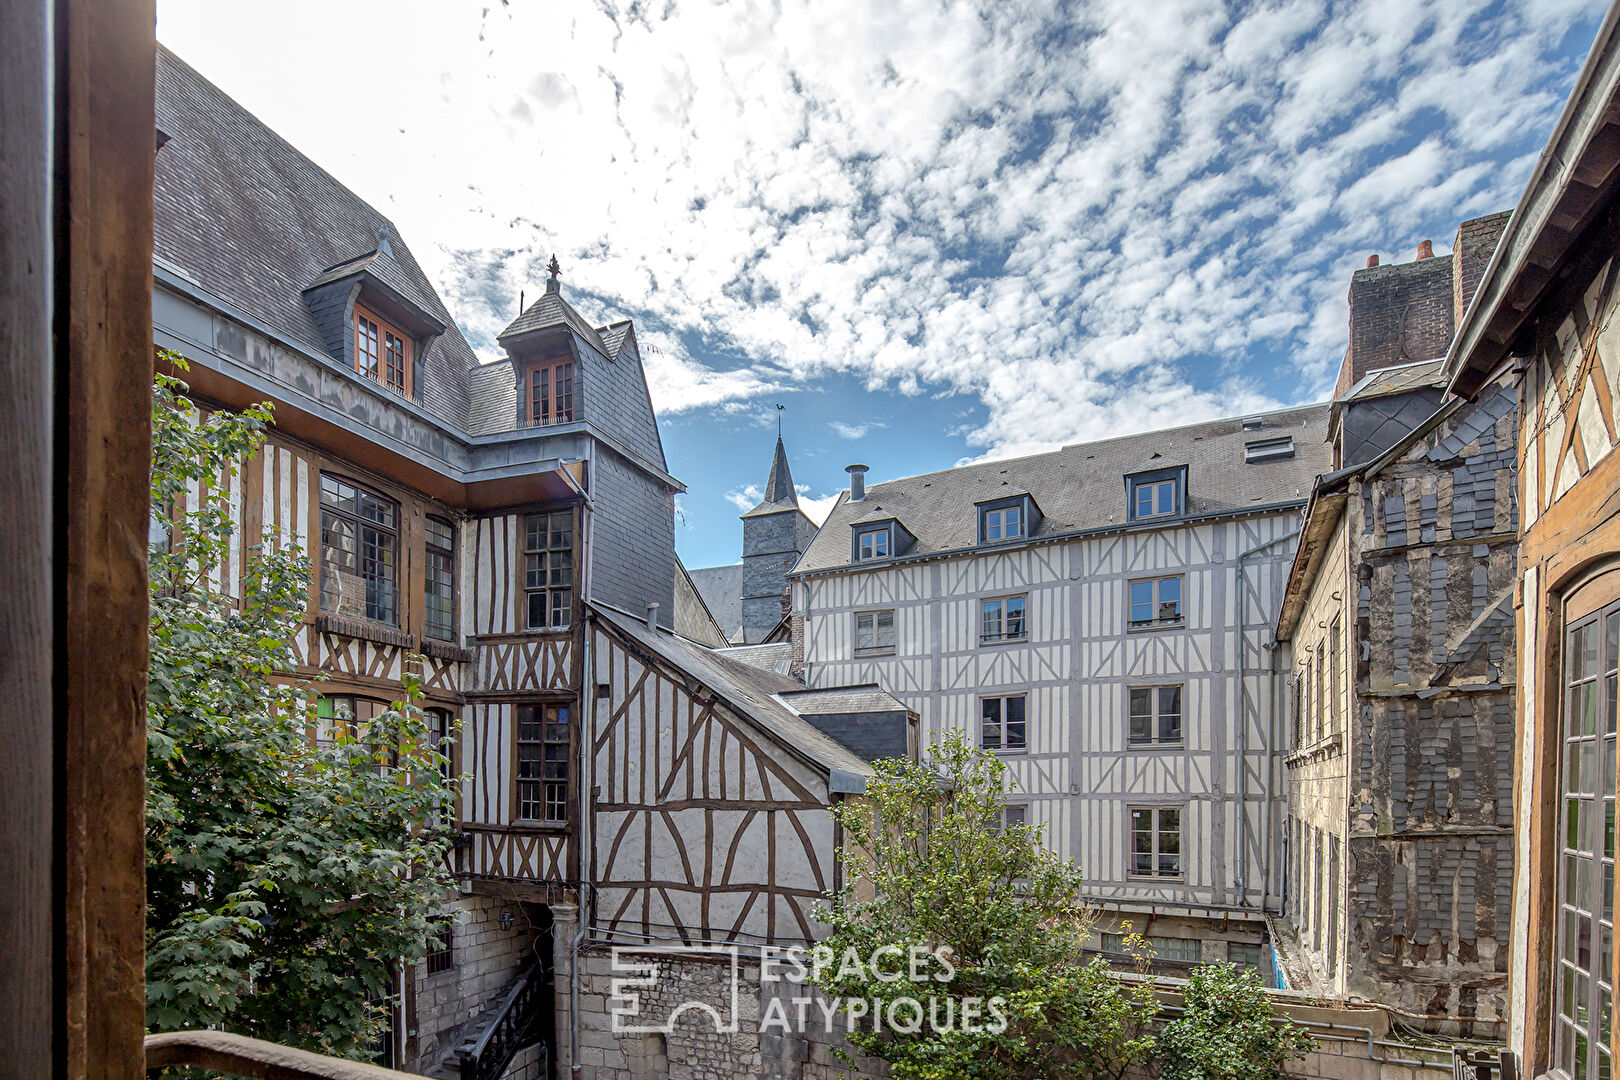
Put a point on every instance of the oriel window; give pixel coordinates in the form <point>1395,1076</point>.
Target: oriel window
<point>543,749</point>
<point>439,579</point>
<point>551,393</point>
<point>548,570</point>
<point>359,552</point>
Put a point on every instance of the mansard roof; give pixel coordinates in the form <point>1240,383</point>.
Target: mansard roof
<point>1081,488</point>
<point>780,495</point>
<point>250,221</point>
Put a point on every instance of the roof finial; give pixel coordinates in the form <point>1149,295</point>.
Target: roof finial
<point>780,409</point>
<point>552,283</point>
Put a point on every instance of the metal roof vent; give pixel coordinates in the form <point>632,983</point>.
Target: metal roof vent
<point>857,482</point>
<point>1268,449</point>
<point>1251,423</point>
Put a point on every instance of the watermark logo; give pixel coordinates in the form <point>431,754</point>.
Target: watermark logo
<point>653,990</point>
<point>642,1002</point>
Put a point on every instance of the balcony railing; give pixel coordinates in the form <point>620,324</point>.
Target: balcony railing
<point>239,1055</point>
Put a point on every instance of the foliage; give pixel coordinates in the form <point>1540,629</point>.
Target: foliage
<point>286,878</point>
<point>940,873</point>
<point>1229,1030</point>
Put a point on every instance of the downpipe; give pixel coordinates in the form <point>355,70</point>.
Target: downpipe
<point>587,697</point>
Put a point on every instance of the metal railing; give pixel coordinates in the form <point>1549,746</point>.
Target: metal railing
<point>516,1025</point>
<point>257,1059</point>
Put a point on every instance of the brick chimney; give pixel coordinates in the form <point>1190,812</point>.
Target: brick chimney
<point>1425,250</point>
<point>1372,261</point>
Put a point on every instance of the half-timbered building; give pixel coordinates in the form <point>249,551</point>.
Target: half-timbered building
<point>502,529</point>
<point>1543,321</point>
<point>1100,617</point>
<point>1399,613</point>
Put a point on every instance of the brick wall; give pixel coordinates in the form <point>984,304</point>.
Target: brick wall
<point>1399,314</point>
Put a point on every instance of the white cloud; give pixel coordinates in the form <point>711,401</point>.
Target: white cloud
<point>1093,222</point>
<point>815,507</point>
<point>853,431</point>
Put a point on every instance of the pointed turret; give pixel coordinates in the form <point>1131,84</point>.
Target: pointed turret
<point>779,492</point>
<point>775,534</point>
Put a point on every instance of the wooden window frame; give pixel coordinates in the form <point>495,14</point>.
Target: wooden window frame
<point>355,518</point>
<point>1156,852</point>
<point>877,531</point>
<point>1004,522</point>
<point>555,586</point>
<point>1001,724</point>
<point>549,391</point>
<point>1319,690</point>
<point>1153,482</point>
<point>1155,715</point>
<point>1156,603</point>
<point>551,774</point>
<point>1336,675</point>
<point>1004,619</point>
<point>442,730</point>
<point>878,646</point>
<point>383,352</point>
<point>432,554</point>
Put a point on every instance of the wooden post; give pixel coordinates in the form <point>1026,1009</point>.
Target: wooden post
<point>77,140</point>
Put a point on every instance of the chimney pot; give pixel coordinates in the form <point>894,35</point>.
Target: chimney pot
<point>1372,260</point>
<point>652,616</point>
<point>857,482</point>
<point>1426,250</point>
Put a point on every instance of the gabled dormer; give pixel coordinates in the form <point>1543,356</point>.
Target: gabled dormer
<point>370,325</point>
<point>878,537</point>
<point>1156,494</point>
<point>1007,519</point>
<point>543,343</point>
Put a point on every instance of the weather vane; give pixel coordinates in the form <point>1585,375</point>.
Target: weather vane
<point>555,270</point>
<point>780,409</point>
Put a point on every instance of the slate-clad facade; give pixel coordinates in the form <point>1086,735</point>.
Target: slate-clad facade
<point>1044,631</point>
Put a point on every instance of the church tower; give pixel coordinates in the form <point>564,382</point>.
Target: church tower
<point>775,534</point>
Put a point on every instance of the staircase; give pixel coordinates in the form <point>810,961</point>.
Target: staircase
<point>501,1032</point>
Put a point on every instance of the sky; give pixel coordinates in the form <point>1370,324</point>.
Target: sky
<point>934,232</point>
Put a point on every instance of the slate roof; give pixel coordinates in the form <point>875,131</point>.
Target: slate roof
<point>243,215</point>
<point>552,310</point>
<point>746,688</point>
<point>1082,487</point>
<point>721,588</point>
<point>839,700</point>
<point>772,657</point>
<point>1398,380</point>
<point>613,337</point>
<point>779,493</point>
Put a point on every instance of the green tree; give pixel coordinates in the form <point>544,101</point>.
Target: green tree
<point>286,879</point>
<point>1229,1030</point>
<point>941,873</point>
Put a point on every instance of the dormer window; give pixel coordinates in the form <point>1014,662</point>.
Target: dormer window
<point>382,352</point>
<point>1268,449</point>
<point>1015,517</point>
<point>1158,494</point>
<point>872,544</point>
<point>550,394</point>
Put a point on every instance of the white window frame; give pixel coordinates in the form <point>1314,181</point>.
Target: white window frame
<point>1156,604</point>
<point>1001,724</point>
<point>1156,714</point>
<point>861,535</point>
<point>872,641</point>
<point>1004,619</point>
<point>1157,851</point>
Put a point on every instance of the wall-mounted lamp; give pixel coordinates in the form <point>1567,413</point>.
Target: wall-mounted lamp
<point>506,920</point>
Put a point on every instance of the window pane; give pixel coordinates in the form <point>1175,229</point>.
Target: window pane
<point>991,625</point>
<point>885,629</point>
<point>1167,497</point>
<point>1014,723</point>
<point>990,723</point>
<point>1015,617</point>
<point>1141,601</point>
<point>1144,501</point>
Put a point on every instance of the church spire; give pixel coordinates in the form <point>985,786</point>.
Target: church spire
<point>779,488</point>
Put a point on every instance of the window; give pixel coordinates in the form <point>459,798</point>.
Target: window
<point>548,569</point>
<point>346,716</point>
<point>1268,449</point>
<point>1155,716</point>
<point>1318,696</point>
<point>874,632</point>
<point>872,544</point>
<point>1011,816</point>
<point>359,546</point>
<point>551,394</point>
<point>1246,955</point>
<point>1335,674</point>
<point>441,740</point>
<point>1156,494</point>
<point>1156,602</point>
<point>440,601</point>
<point>1156,841</point>
<point>1001,723</point>
<point>543,745</point>
<point>1002,523</point>
<point>441,956</point>
<point>1172,949</point>
<point>1002,619</point>
<point>1584,942</point>
<point>381,352</point>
